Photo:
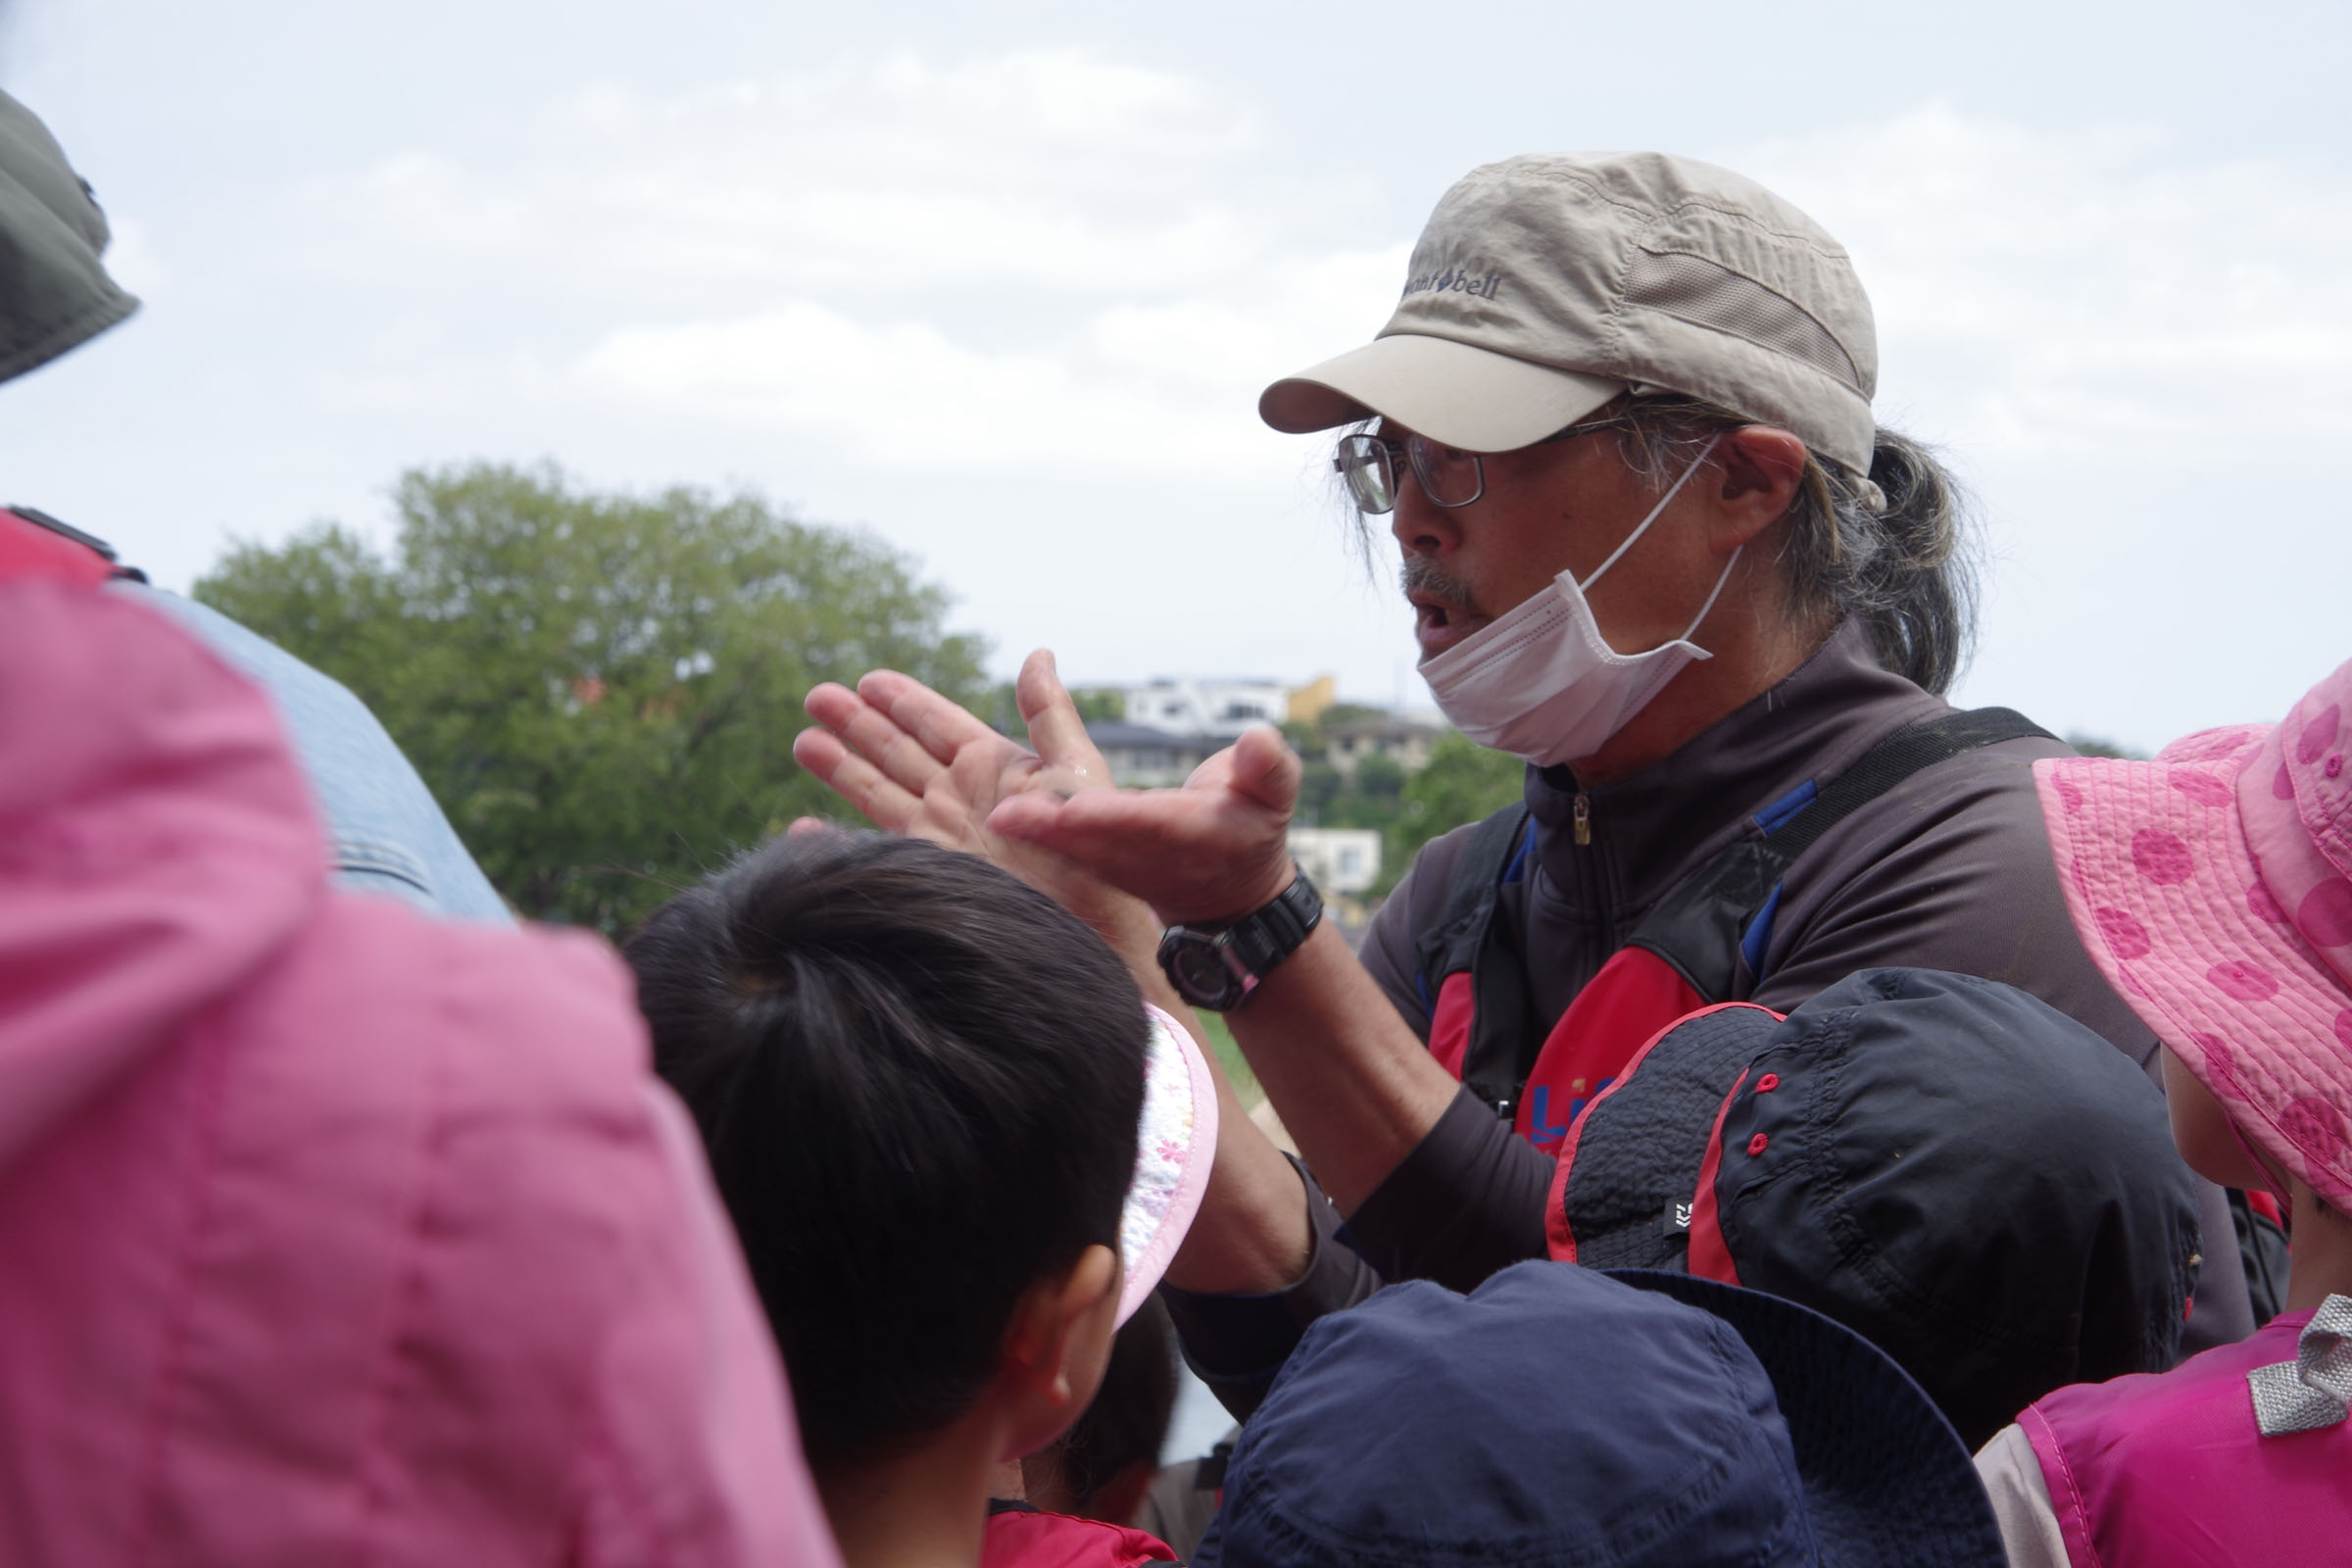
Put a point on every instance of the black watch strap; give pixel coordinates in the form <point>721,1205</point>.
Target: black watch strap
<point>1217,967</point>
<point>1263,939</point>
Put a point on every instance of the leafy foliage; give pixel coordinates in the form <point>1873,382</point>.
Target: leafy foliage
<point>2098,746</point>
<point>1461,782</point>
<point>1100,706</point>
<point>601,690</point>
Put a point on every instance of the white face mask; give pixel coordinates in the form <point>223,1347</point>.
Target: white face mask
<point>1540,684</point>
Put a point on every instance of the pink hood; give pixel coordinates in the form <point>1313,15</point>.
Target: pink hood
<point>330,1231</point>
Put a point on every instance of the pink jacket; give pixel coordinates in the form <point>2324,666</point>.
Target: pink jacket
<point>329,1233</point>
<point>2172,1470</point>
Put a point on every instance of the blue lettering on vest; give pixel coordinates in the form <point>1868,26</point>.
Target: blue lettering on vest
<point>1541,1132</point>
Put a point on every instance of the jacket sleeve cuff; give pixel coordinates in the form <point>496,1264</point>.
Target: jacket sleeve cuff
<point>1237,1344</point>
<point>1466,1203</point>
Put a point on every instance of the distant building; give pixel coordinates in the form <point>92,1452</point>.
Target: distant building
<point>1311,701</point>
<point>1406,741</point>
<point>1219,708</point>
<point>1144,756</point>
<point>1341,862</point>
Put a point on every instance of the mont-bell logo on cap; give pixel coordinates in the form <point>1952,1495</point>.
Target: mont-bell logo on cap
<point>1454,281</point>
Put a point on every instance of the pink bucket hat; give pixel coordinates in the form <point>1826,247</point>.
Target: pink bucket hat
<point>2213,887</point>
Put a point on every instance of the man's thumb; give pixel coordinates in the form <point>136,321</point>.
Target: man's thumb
<point>1265,769</point>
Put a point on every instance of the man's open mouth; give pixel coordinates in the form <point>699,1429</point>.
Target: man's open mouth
<point>1439,624</point>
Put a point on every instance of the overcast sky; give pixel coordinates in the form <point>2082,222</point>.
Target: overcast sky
<point>1001,283</point>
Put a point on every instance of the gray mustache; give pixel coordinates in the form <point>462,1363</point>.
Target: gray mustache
<point>1419,574</point>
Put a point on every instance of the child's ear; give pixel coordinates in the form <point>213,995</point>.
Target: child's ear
<point>1055,1347</point>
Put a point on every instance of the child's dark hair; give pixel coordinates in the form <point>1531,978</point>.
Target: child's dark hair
<point>919,1083</point>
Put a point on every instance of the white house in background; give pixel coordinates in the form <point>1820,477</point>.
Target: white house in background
<point>1408,741</point>
<point>1341,861</point>
<point>1146,756</point>
<point>1219,708</point>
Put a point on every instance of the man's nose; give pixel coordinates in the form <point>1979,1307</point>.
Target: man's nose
<point>1420,527</point>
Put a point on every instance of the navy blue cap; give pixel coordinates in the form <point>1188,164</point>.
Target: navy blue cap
<point>1561,1416</point>
<point>1984,1187</point>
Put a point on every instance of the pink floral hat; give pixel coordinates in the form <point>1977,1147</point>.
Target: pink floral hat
<point>1175,1146</point>
<point>2213,887</point>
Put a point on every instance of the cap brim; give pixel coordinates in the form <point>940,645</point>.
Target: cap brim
<point>1465,397</point>
<point>2198,947</point>
<point>1887,1480</point>
<point>1641,1144</point>
<point>1176,1142</point>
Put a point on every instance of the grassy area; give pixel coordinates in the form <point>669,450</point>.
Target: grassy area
<point>1244,1082</point>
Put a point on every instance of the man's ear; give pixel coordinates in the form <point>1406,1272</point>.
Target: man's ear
<point>1763,467</point>
<point>1055,1347</point>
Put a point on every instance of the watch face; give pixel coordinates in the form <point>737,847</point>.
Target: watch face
<point>1199,969</point>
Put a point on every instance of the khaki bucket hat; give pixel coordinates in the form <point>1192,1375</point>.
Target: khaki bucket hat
<point>1545,286</point>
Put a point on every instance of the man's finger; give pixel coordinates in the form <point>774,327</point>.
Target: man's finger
<point>940,726</point>
<point>831,704</point>
<point>1265,769</point>
<point>1055,730</point>
<point>855,780</point>
<point>876,736</point>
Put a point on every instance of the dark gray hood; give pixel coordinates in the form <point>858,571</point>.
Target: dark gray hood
<point>54,293</point>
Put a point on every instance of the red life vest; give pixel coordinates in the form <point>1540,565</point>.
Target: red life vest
<point>1703,943</point>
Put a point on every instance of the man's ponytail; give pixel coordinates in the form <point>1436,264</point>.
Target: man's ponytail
<point>1902,563</point>
<point>1911,575</point>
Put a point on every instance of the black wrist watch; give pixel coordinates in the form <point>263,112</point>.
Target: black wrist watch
<point>1217,967</point>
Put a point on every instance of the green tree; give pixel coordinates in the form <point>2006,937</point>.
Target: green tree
<point>1463,782</point>
<point>2099,746</point>
<point>1100,706</point>
<point>601,689</point>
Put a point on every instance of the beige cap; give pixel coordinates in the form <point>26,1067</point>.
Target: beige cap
<point>1545,286</point>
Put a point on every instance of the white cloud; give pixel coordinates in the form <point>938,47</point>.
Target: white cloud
<point>1028,258</point>
<point>1054,169</point>
<point>1165,387</point>
<point>1055,265</point>
<point>2052,287</point>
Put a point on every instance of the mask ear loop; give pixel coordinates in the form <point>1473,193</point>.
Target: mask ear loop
<point>1726,577</point>
<point>1634,538</point>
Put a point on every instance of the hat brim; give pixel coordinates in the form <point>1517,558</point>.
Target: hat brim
<point>1176,1144</point>
<point>1643,1142</point>
<point>1465,397</point>
<point>1887,1480</point>
<point>2166,895</point>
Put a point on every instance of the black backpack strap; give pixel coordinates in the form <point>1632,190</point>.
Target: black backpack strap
<point>1699,927</point>
<point>1503,1039</point>
<point>1446,948</point>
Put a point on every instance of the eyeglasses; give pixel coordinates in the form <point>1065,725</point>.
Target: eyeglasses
<point>1448,475</point>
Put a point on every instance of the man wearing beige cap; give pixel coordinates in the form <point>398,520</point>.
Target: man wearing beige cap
<point>1620,425</point>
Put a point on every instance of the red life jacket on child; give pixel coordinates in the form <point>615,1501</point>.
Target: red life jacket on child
<point>1702,945</point>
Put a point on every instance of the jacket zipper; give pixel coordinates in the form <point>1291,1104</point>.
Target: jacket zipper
<point>1583,817</point>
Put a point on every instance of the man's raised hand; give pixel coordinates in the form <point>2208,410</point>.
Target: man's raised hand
<point>914,764</point>
<point>1216,848</point>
